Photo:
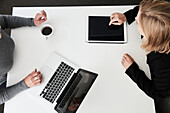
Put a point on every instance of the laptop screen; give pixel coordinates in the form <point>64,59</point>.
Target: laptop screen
<point>75,99</point>
<point>99,29</point>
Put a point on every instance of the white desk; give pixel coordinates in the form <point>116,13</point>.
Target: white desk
<point>112,92</point>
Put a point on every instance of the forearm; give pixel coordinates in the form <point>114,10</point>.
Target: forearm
<point>9,21</point>
<point>135,73</point>
<point>9,92</point>
<point>131,14</point>
<point>140,78</point>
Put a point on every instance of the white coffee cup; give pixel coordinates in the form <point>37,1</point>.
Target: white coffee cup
<point>46,31</point>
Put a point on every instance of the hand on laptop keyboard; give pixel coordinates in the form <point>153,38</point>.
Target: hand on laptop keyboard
<point>33,78</point>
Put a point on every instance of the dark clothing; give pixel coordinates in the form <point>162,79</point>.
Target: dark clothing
<point>131,14</point>
<point>159,63</point>
<point>3,85</point>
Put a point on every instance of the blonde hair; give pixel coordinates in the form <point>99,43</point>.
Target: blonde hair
<point>155,23</point>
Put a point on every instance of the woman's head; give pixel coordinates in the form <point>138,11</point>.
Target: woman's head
<point>154,23</point>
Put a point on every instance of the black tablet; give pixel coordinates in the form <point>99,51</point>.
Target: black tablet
<point>98,30</point>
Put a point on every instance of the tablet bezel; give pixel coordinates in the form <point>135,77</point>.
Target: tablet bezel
<point>96,41</point>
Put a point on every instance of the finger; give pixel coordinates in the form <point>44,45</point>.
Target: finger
<point>122,62</point>
<point>35,74</point>
<point>44,18</point>
<point>40,77</point>
<point>123,59</point>
<point>38,80</point>
<point>39,72</point>
<point>129,58</point>
<point>110,23</point>
<point>44,13</point>
<point>40,16</point>
<point>35,70</point>
<point>112,16</point>
<point>126,56</point>
<point>41,21</point>
<point>35,78</point>
<point>37,83</point>
<point>115,19</point>
<point>116,23</point>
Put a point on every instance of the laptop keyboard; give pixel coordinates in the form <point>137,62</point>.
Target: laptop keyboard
<point>57,82</point>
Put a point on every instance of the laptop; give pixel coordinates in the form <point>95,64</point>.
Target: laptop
<point>99,31</point>
<point>64,85</point>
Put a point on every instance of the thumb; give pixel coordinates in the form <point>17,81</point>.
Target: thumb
<point>41,21</point>
<point>116,23</point>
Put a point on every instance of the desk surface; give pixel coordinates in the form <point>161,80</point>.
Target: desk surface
<point>112,92</point>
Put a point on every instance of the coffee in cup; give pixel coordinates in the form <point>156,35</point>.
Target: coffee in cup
<point>46,31</point>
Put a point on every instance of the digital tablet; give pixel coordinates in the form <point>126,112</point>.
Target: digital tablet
<point>99,31</point>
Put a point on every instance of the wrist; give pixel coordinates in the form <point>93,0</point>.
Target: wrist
<point>34,21</point>
<point>124,18</point>
<point>25,80</point>
<point>26,83</point>
<point>131,68</point>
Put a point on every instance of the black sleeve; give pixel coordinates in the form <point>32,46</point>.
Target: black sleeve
<point>131,14</point>
<point>139,77</point>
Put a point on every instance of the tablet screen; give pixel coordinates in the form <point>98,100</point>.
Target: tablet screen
<point>99,29</point>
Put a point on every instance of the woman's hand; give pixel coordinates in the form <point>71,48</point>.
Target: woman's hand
<point>127,61</point>
<point>33,78</point>
<point>117,19</point>
<point>40,18</point>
